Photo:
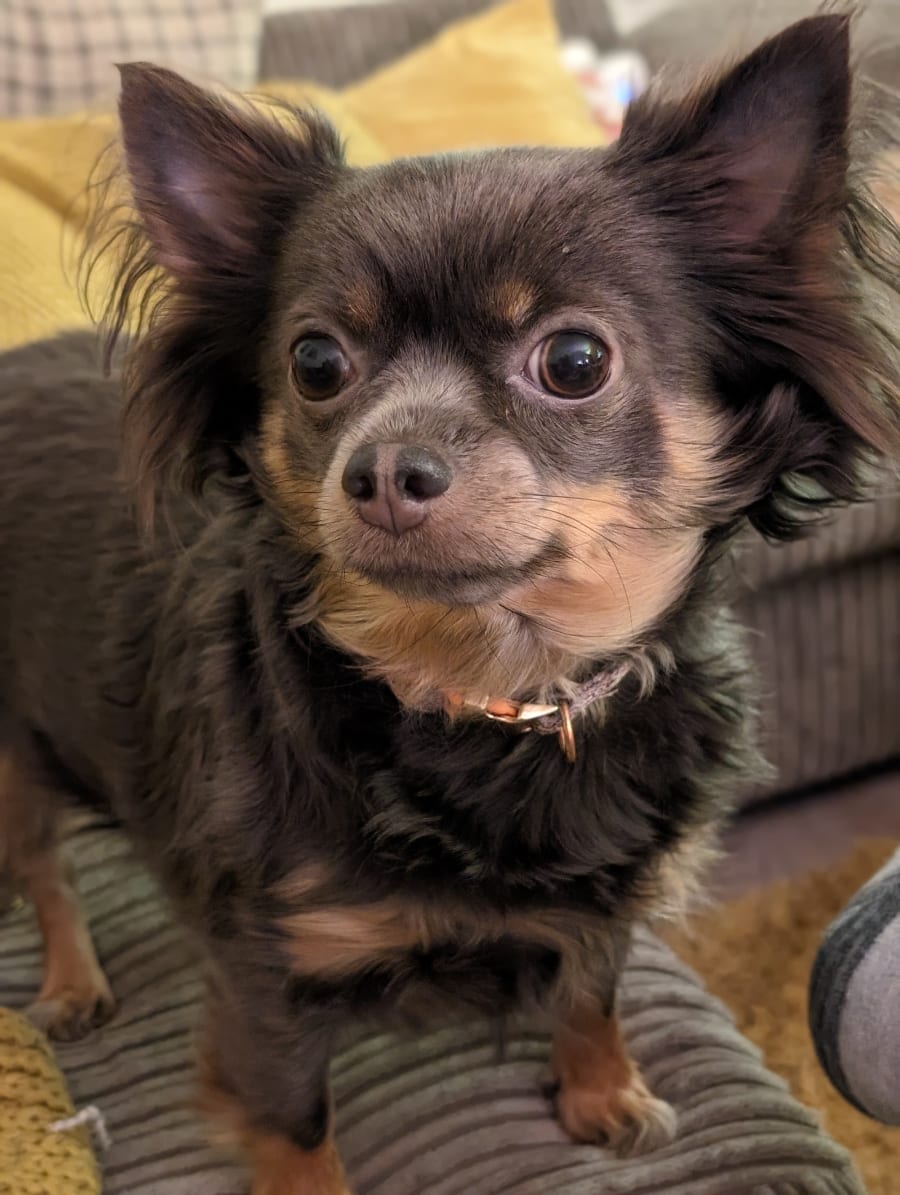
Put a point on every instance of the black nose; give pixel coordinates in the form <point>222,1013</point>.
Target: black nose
<point>392,484</point>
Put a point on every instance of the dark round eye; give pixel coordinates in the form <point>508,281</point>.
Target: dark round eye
<point>319,366</point>
<point>569,364</point>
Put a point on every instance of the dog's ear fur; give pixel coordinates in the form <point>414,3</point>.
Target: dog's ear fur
<point>751,177</point>
<point>762,150</point>
<point>211,178</point>
<point>215,183</point>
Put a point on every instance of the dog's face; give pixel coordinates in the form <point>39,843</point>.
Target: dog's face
<point>472,388</point>
<point>513,392</point>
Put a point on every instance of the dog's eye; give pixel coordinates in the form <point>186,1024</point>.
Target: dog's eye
<point>569,364</point>
<point>319,366</point>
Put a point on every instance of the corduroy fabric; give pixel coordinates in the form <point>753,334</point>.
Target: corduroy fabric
<point>435,1114</point>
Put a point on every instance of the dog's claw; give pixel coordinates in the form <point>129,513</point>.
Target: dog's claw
<point>629,1121</point>
<point>70,1015</point>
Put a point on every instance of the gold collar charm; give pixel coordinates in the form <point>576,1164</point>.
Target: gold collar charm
<point>545,719</point>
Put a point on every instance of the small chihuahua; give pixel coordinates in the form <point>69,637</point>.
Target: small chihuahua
<point>406,662</point>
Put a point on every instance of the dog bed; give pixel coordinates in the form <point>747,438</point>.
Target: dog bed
<point>438,1114</point>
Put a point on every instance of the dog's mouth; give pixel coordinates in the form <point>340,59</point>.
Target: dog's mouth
<point>456,584</point>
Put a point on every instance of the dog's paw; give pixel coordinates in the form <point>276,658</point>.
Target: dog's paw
<point>628,1119</point>
<point>281,1168</point>
<point>72,1013</point>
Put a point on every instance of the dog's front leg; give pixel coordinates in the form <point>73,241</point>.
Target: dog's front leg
<point>601,1096</point>
<point>266,1080</point>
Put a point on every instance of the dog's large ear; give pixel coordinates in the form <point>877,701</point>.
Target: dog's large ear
<point>212,179</point>
<point>216,183</point>
<point>762,148</point>
<point>782,249</point>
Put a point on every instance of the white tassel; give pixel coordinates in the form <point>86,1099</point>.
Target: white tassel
<point>91,1116</point>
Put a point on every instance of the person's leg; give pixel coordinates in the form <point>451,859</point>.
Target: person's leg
<point>854,1003</point>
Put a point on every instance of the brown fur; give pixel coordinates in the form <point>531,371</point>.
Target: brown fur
<point>513,300</point>
<point>361,304</point>
<point>75,993</point>
<point>296,497</point>
<point>331,942</point>
<point>723,256</point>
<point>602,1096</point>
<point>279,1166</point>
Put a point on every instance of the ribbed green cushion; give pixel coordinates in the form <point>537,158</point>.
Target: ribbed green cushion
<point>436,1114</point>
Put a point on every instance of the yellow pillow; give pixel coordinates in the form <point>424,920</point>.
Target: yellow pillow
<point>361,148</point>
<point>44,167</point>
<point>45,164</point>
<point>494,79</point>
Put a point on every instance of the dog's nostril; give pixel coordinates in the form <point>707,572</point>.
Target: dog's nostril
<point>360,486</point>
<point>360,479</point>
<point>420,474</point>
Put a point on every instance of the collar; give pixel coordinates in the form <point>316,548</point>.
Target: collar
<point>556,718</point>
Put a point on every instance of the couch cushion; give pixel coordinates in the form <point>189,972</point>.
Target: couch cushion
<point>436,1114</point>
<point>850,535</point>
<point>339,45</point>
<point>689,31</point>
<point>827,647</point>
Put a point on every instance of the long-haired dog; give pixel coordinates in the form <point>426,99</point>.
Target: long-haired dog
<point>428,693</point>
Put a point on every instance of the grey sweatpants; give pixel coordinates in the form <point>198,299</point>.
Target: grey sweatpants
<point>854,1005</point>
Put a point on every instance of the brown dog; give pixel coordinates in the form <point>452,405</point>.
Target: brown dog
<point>432,695</point>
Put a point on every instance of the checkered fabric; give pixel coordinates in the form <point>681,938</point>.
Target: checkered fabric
<point>58,55</point>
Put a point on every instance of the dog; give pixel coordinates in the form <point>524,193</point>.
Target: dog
<point>379,588</point>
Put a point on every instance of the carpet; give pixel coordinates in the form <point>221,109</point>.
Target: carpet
<point>755,953</point>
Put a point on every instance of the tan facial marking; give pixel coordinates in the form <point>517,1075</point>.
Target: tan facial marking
<point>295,496</point>
<point>513,300</point>
<point>691,438</point>
<point>628,560</point>
<point>361,303</point>
<point>627,563</point>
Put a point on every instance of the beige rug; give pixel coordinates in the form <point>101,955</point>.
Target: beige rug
<point>756,954</point>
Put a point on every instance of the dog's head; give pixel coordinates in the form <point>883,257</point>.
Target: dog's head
<point>506,399</point>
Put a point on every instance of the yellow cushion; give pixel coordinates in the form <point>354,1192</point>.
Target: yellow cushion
<point>45,165</point>
<point>361,148</point>
<point>35,1159</point>
<point>44,168</point>
<point>494,79</point>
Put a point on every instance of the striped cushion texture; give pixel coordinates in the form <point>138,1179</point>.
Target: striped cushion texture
<point>435,1114</point>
